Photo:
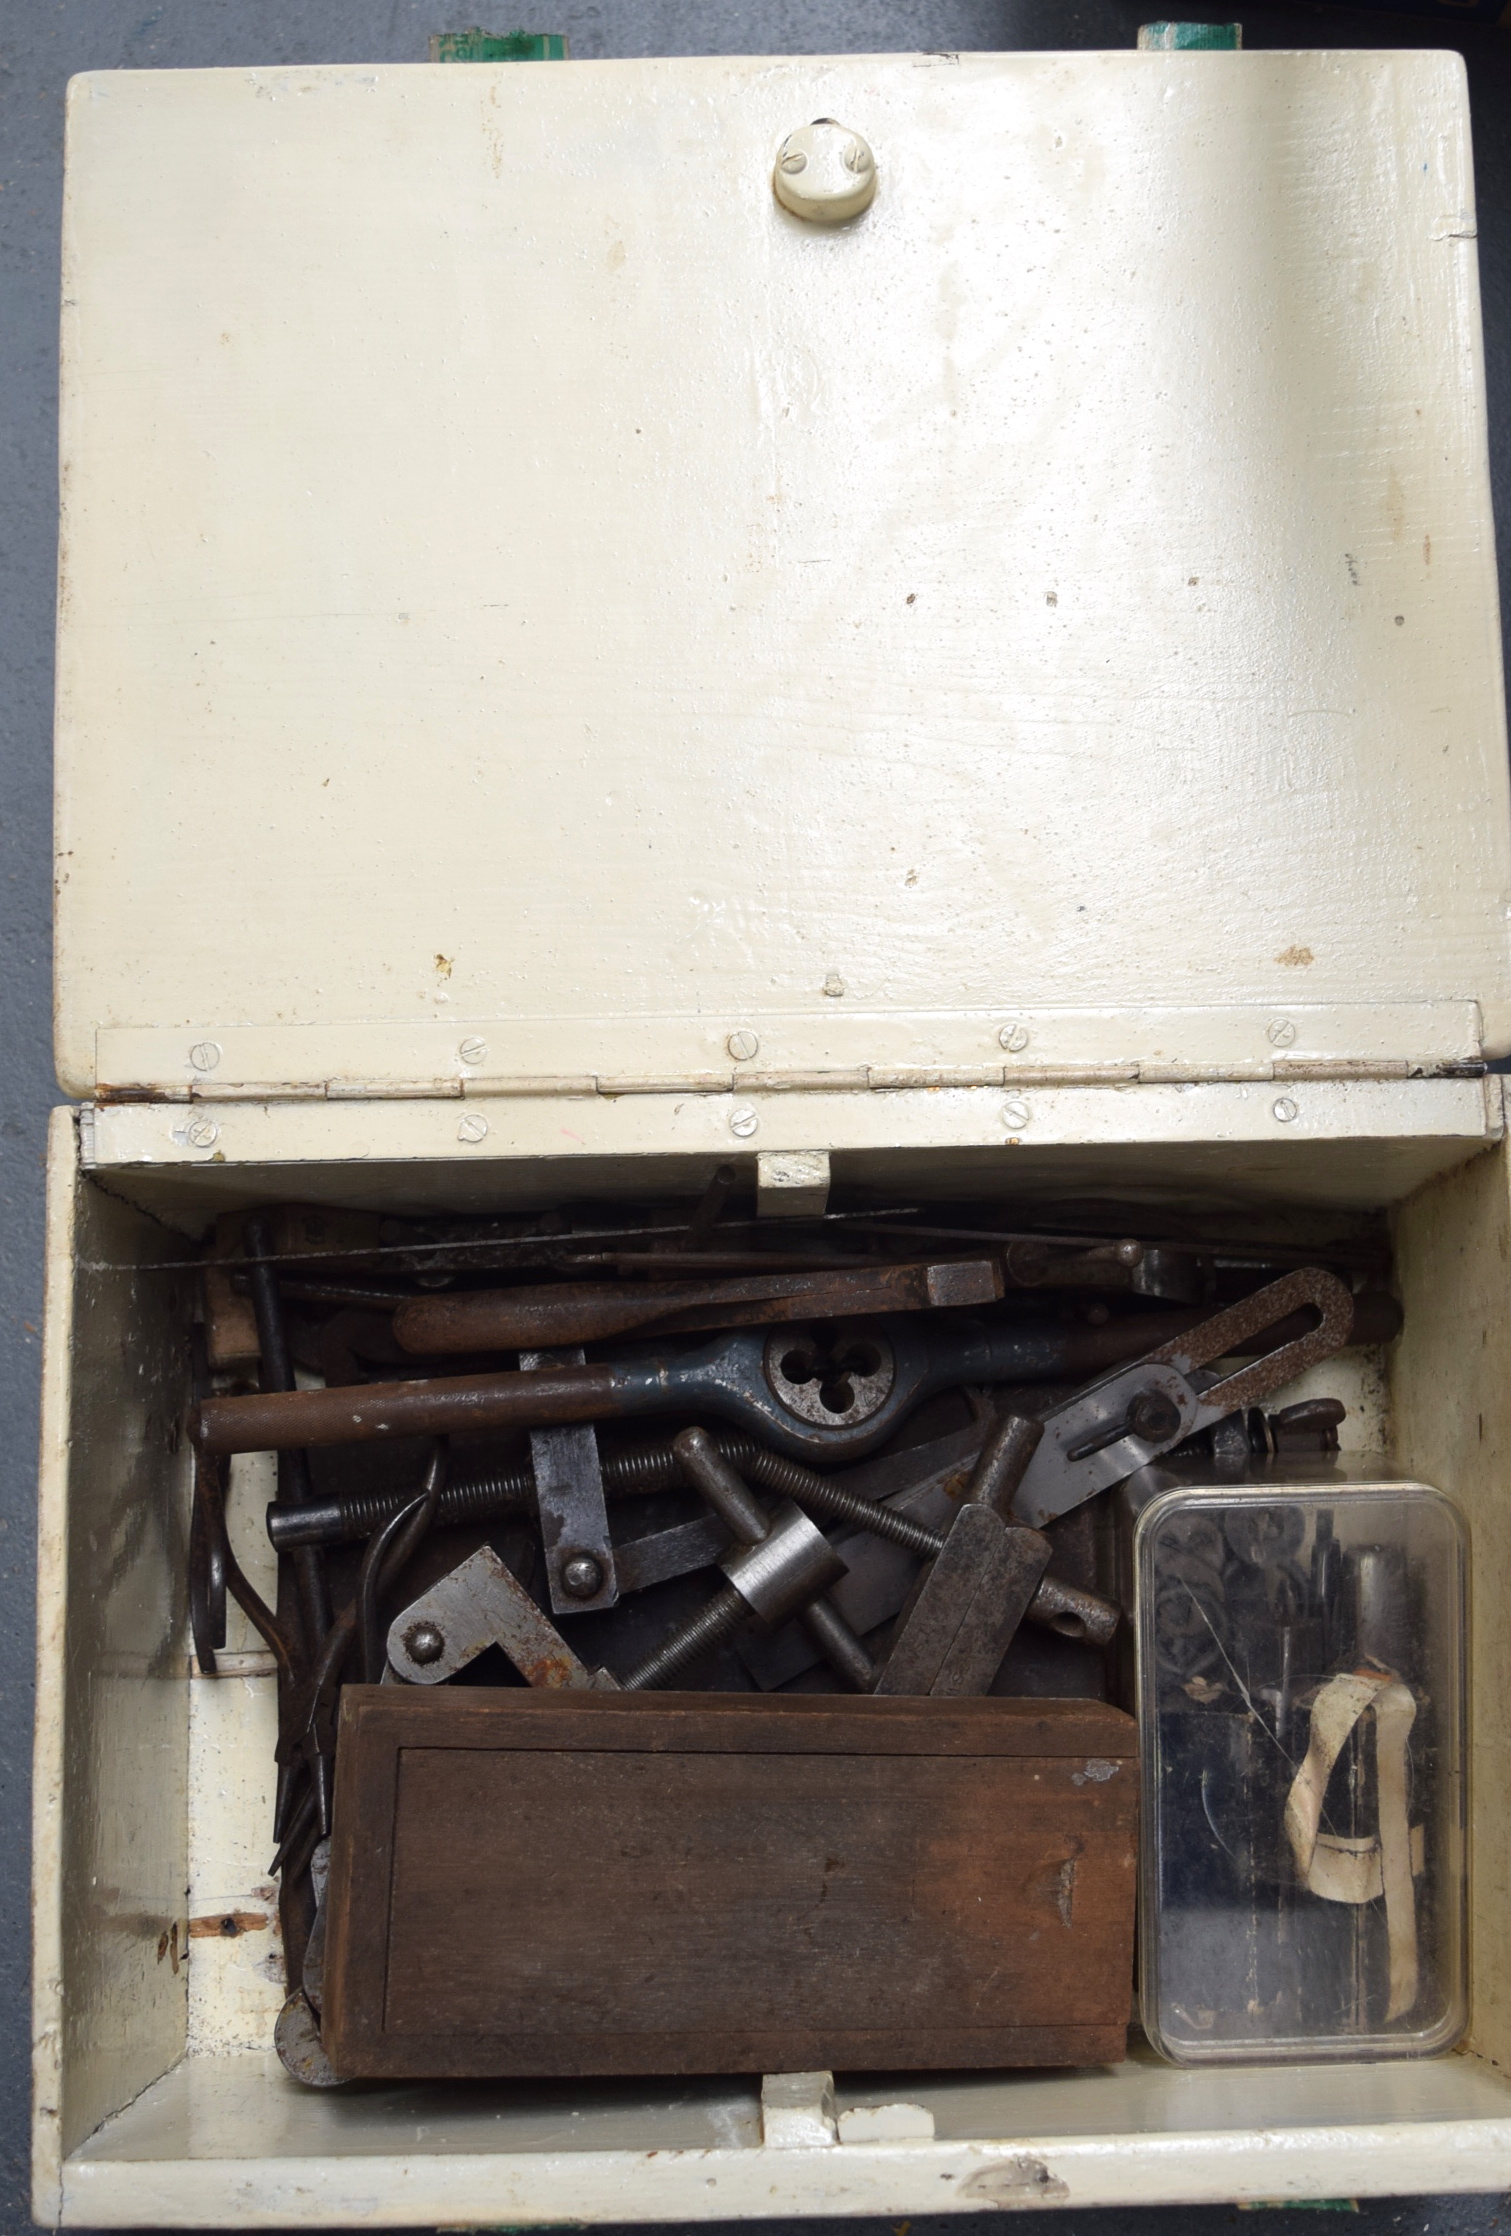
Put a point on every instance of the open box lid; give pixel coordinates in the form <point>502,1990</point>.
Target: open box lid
<point>533,609</point>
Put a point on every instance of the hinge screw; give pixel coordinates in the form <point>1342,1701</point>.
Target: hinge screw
<point>743,1121</point>
<point>1014,1038</point>
<point>1281,1033</point>
<point>473,1127</point>
<point>205,1055</point>
<point>1015,1114</point>
<point>202,1133</point>
<point>1285,1110</point>
<point>473,1050</point>
<point>742,1045</point>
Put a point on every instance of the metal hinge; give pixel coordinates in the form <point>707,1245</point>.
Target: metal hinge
<point>866,1079</point>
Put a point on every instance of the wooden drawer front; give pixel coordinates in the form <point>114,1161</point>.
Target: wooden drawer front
<point>696,1885</point>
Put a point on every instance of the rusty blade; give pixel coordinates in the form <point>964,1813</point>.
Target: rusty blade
<point>593,1311</point>
<point>1243,1327</point>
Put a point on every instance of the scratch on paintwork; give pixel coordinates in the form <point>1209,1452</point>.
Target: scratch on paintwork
<point>1017,2181</point>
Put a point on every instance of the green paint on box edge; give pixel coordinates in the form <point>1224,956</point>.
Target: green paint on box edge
<point>478,45</point>
<point>1299,2205</point>
<point>1178,38</point>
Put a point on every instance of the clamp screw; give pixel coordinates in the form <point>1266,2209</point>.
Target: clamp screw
<point>473,1127</point>
<point>205,1055</point>
<point>743,1121</point>
<point>1014,1038</point>
<point>424,1643</point>
<point>581,1576</point>
<point>742,1045</point>
<point>1154,1417</point>
<point>202,1133</point>
<point>473,1050</point>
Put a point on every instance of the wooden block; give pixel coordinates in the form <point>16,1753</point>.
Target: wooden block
<point>313,1236</point>
<point>529,1883</point>
<point>230,1322</point>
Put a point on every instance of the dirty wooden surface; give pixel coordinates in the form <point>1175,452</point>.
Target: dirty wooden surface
<point>704,1884</point>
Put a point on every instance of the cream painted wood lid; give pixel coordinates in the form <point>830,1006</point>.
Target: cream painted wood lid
<point>533,607</point>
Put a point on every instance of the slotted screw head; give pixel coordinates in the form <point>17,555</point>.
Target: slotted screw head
<point>1280,1032</point>
<point>1014,1038</point>
<point>824,172</point>
<point>1015,1114</point>
<point>473,1050</point>
<point>473,1127</point>
<point>743,1121</point>
<point>205,1055</point>
<point>743,1044</point>
<point>202,1133</point>
<point>1285,1110</point>
<point>424,1643</point>
<point>581,1576</point>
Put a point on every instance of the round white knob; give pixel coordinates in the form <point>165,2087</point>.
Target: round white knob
<point>824,172</point>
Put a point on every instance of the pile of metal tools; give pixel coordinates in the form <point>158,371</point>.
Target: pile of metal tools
<point>670,1446</point>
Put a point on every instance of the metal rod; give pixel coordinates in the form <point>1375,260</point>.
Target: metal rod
<point>724,1613</point>
<point>640,1473</point>
<point>277,1375</point>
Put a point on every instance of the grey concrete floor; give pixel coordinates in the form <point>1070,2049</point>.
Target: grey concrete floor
<point>42,43</point>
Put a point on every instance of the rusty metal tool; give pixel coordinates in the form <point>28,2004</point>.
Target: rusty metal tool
<point>574,1521</point>
<point>679,1551</point>
<point>578,1312</point>
<point>387,1554</point>
<point>904,1501</point>
<point>925,1485</point>
<point>640,1472</point>
<point>1129,1417</point>
<point>749,1524</point>
<point>961,1615</point>
<point>478,1605</point>
<point>785,1570</point>
<point>831,1392</point>
<point>277,1375</point>
<point>1139,1267</point>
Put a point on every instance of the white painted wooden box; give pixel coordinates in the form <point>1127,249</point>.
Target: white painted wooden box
<point>568,673</point>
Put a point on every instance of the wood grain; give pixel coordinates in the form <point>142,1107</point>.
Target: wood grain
<point>523,1885</point>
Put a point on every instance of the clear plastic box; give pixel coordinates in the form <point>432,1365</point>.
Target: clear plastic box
<point>1300,1679</point>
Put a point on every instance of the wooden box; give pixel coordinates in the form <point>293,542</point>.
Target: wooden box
<point>526,1883</point>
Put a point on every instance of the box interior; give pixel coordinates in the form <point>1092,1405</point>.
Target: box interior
<point>159,1973</point>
